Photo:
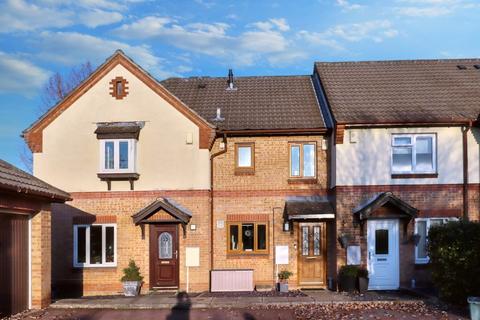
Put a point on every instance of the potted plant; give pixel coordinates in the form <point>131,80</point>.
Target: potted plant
<point>283,276</point>
<point>132,280</point>
<point>362,275</point>
<point>347,278</point>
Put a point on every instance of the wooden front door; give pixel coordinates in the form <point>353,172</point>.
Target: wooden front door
<point>164,255</point>
<point>312,254</point>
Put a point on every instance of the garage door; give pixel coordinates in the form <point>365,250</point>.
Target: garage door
<point>13,263</point>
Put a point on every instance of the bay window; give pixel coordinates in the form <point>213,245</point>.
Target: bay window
<point>94,245</point>
<point>117,155</point>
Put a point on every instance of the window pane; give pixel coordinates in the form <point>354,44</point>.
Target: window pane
<point>305,241</point>
<point>316,241</point>
<point>244,156</point>
<point>110,244</point>
<point>247,237</point>
<point>436,222</point>
<point>95,244</point>
<point>262,236</point>
<point>402,159</point>
<point>109,155</point>
<point>233,237</point>
<point>402,141</point>
<point>119,88</point>
<point>424,154</point>
<point>381,241</point>
<point>422,244</point>
<point>308,160</point>
<point>81,244</point>
<point>294,161</point>
<point>123,155</point>
<point>165,246</point>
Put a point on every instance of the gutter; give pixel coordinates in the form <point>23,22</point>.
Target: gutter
<point>465,130</point>
<point>290,132</point>
<point>212,157</point>
<point>406,124</point>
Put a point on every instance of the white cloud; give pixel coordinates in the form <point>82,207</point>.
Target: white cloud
<point>346,5</point>
<point>433,8</point>
<point>20,75</point>
<point>70,48</point>
<point>375,30</point>
<point>213,39</point>
<point>424,11</point>
<point>97,17</point>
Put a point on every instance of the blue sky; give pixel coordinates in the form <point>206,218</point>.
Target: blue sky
<point>206,37</point>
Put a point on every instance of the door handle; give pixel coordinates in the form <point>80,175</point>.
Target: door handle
<point>176,254</point>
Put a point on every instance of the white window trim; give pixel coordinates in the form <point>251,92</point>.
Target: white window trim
<point>427,222</point>
<point>76,264</point>
<point>132,155</point>
<point>413,145</point>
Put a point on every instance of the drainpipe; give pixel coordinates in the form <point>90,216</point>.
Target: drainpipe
<point>465,169</point>
<point>213,156</point>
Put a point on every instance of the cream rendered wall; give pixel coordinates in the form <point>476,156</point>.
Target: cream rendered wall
<point>367,162</point>
<point>70,157</point>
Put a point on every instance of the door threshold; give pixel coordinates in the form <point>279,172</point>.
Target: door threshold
<point>163,289</point>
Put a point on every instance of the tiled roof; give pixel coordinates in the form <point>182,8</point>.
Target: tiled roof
<point>280,102</point>
<point>14,179</point>
<point>402,91</point>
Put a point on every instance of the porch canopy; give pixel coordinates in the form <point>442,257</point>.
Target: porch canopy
<point>385,205</point>
<point>163,210</point>
<point>308,208</point>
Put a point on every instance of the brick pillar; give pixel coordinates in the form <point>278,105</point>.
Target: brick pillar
<point>41,258</point>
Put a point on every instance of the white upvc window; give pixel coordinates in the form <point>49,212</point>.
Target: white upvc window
<point>414,153</point>
<point>422,225</point>
<point>95,245</point>
<point>118,155</point>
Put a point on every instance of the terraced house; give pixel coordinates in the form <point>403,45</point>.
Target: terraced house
<point>219,183</point>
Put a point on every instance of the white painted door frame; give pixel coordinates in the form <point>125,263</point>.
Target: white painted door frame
<point>383,262</point>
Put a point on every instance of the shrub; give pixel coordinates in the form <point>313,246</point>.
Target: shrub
<point>348,271</point>
<point>362,273</point>
<point>454,251</point>
<point>132,272</point>
<point>284,275</point>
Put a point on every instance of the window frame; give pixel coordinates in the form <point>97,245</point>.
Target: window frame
<point>301,144</point>
<point>413,138</point>
<point>132,156</point>
<point>427,226</point>
<point>250,169</point>
<point>87,263</point>
<point>240,250</point>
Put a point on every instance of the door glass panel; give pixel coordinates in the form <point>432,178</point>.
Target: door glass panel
<point>422,244</point>
<point>381,241</point>
<point>109,244</point>
<point>262,237</point>
<point>165,246</point>
<point>233,237</point>
<point>316,241</point>
<point>96,244</point>
<point>247,237</point>
<point>305,241</point>
<point>81,244</point>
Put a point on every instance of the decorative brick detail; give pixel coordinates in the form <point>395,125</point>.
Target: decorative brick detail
<point>114,90</point>
<point>248,217</point>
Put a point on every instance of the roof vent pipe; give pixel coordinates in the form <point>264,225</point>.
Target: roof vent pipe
<point>230,81</point>
<point>219,117</point>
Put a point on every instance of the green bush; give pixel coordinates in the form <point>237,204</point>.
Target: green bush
<point>132,272</point>
<point>284,275</point>
<point>348,271</point>
<point>362,273</point>
<point>454,251</point>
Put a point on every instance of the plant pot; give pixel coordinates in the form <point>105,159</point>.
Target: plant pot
<point>131,288</point>
<point>474,307</point>
<point>362,284</point>
<point>283,286</point>
<point>348,283</point>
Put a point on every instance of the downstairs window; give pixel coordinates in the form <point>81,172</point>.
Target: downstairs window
<point>94,245</point>
<point>422,225</point>
<point>247,238</point>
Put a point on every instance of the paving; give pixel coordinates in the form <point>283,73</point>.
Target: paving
<point>204,301</point>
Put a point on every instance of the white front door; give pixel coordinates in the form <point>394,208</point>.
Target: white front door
<point>383,254</point>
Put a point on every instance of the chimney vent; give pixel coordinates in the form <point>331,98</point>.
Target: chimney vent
<point>476,66</point>
<point>219,117</point>
<point>461,67</point>
<point>231,81</point>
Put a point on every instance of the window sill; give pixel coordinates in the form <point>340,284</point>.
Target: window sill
<point>244,171</point>
<point>95,266</point>
<point>414,175</point>
<point>302,181</point>
<point>247,255</point>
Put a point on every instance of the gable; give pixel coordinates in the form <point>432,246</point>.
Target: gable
<point>34,134</point>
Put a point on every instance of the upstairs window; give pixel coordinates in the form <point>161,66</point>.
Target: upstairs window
<point>422,226</point>
<point>117,155</point>
<point>413,153</point>
<point>303,160</point>
<point>244,158</point>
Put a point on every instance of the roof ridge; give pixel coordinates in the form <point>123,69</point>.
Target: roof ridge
<point>399,61</point>
<point>236,77</point>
